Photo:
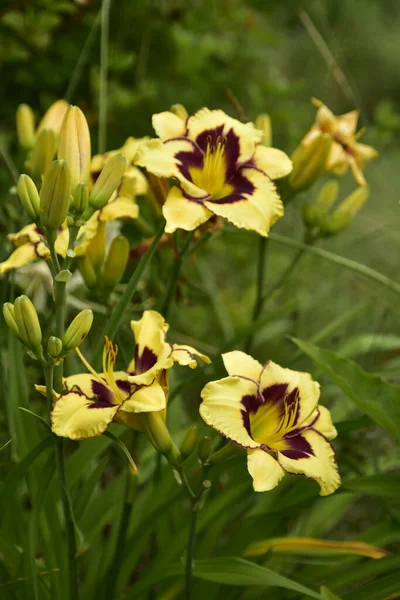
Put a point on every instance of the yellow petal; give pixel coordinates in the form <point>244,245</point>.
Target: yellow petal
<point>222,408</point>
<point>86,234</point>
<point>148,398</point>
<point>61,243</point>
<point>152,352</point>
<point>168,125</point>
<point>258,211</point>
<point>27,234</point>
<point>239,363</point>
<point>264,469</point>
<point>272,161</point>
<point>21,256</point>
<point>206,119</point>
<point>324,423</point>
<point>185,356</point>
<point>309,390</point>
<point>159,158</point>
<point>121,208</point>
<point>321,467</point>
<point>337,159</point>
<point>325,119</point>
<point>181,213</point>
<point>347,124</point>
<point>73,417</point>
<point>133,183</point>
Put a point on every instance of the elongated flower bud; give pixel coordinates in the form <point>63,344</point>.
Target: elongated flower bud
<point>78,330</point>
<point>87,271</point>
<point>29,196</point>
<point>180,111</point>
<point>158,434</point>
<point>204,449</point>
<point>309,162</point>
<point>25,126</point>
<point>74,145</point>
<point>54,117</point>
<point>314,213</point>
<point>117,259</point>
<point>345,213</point>
<point>108,181</point>
<point>80,198</point>
<point>54,346</point>
<point>263,122</point>
<point>43,152</point>
<point>190,441</point>
<point>27,322</point>
<point>96,250</point>
<point>55,195</point>
<point>8,313</point>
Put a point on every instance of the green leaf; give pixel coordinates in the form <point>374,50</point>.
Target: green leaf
<point>368,342</point>
<point>123,449</point>
<point>366,571</point>
<point>386,486</point>
<point>373,395</point>
<point>326,594</point>
<point>377,590</point>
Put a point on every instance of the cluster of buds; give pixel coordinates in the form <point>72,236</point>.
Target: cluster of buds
<point>103,272</point>
<point>22,319</point>
<point>323,220</point>
<point>63,186</point>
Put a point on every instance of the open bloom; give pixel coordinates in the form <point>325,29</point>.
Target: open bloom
<point>274,413</point>
<point>220,168</point>
<point>29,240</point>
<point>92,400</point>
<point>345,151</point>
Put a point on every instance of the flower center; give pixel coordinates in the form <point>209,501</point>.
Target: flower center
<point>211,177</point>
<point>270,425</point>
<point>109,358</point>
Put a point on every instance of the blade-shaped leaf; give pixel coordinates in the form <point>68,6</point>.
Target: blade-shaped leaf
<point>373,395</point>
<point>313,546</point>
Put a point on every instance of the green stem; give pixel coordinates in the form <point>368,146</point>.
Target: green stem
<point>118,313</point>
<point>174,276</point>
<point>347,263</point>
<point>289,269</point>
<point>190,554</point>
<point>103,90</point>
<point>82,60</point>
<point>65,498</point>
<point>258,304</point>
<point>60,293</point>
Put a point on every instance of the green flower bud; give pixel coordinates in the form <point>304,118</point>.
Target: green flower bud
<point>309,162</point>
<point>314,213</point>
<point>8,312</point>
<point>158,434</point>
<point>87,271</point>
<point>78,330</point>
<point>74,145</point>
<point>328,194</point>
<point>27,322</point>
<point>55,195</point>
<point>180,111</point>
<point>54,117</point>
<point>96,250</point>
<point>54,346</point>
<point>25,126</point>
<point>117,259</point>
<point>108,181</point>
<point>43,152</point>
<point>80,198</point>
<point>345,213</point>
<point>263,122</point>
<point>29,196</point>
<point>204,449</point>
<point>190,441</point>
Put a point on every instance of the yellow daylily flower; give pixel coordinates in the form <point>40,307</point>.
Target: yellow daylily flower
<point>220,167</point>
<point>274,413</point>
<point>92,400</point>
<point>345,151</point>
<point>29,240</point>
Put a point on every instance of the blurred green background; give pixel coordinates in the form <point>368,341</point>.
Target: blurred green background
<point>263,56</point>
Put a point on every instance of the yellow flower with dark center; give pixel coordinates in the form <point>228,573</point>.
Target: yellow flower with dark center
<point>274,413</point>
<point>220,167</point>
<point>91,401</point>
<point>345,151</point>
